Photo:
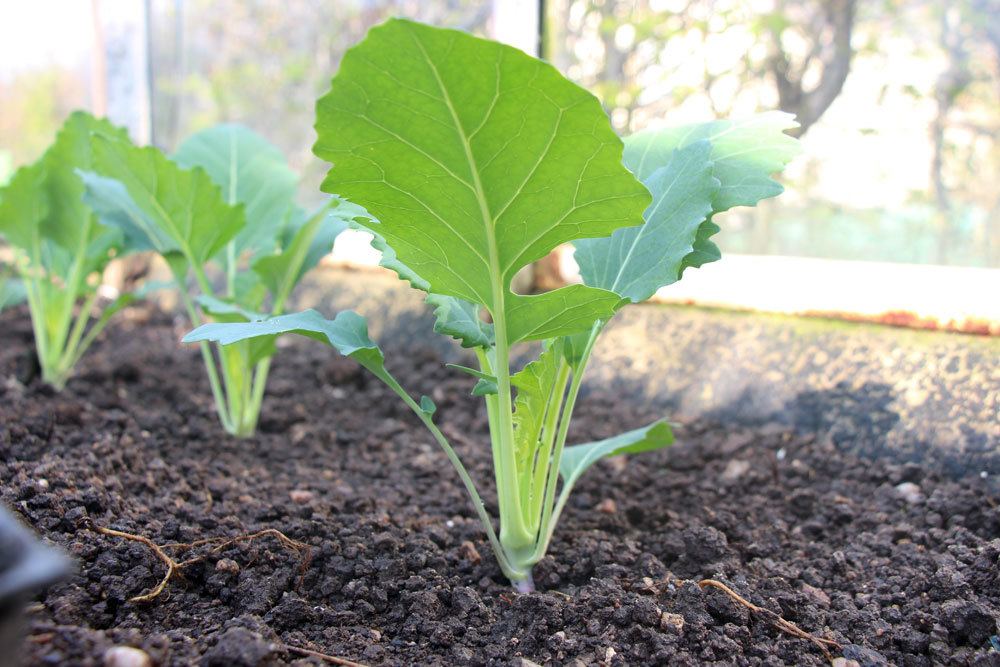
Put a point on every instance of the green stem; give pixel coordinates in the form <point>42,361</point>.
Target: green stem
<point>514,534</point>
<point>71,289</point>
<point>257,398</point>
<point>69,355</point>
<point>550,516</point>
<point>36,306</point>
<point>206,355</point>
<point>543,463</point>
<point>89,339</point>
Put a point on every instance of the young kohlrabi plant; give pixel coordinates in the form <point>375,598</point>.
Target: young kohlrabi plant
<point>60,249</point>
<point>226,200</point>
<point>476,160</point>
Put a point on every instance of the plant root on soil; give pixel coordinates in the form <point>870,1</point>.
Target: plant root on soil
<point>785,626</point>
<point>174,567</point>
<point>322,656</point>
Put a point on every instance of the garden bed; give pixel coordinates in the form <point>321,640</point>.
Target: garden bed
<point>896,560</point>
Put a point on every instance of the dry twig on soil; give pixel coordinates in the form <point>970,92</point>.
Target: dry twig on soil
<point>777,621</point>
<point>174,566</point>
<point>322,656</point>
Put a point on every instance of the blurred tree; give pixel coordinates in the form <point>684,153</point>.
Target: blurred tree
<point>643,57</point>
<point>826,27</point>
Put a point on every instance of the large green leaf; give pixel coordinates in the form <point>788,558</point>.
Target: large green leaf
<point>637,261</point>
<point>250,171</point>
<point>476,160</point>
<point>70,222</point>
<point>24,207</point>
<point>42,209</point>
<point>576,459</point>
<point>347,333</point>
<point>158,204</point>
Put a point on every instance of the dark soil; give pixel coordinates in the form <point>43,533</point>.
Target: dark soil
<point>898,562</point>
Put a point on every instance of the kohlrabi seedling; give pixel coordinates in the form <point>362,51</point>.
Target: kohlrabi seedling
<point>476,160</point>
<point>61,249</point>
<point>227,200</point>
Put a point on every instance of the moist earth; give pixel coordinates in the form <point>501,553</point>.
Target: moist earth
<point>897,562</point>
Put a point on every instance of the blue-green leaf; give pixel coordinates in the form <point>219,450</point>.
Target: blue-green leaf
<point>250,171</point>
<point>636,261</point>
<point>460,320</point>
<point>745,153</point>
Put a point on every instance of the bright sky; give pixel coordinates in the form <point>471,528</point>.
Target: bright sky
<point>36,33</point>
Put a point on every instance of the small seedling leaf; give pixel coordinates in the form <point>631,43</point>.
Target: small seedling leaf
<point>576,459</point>
<point>427,406</point>
<point>460,320</point>
<point>535,383</point>
<point>347,333</point>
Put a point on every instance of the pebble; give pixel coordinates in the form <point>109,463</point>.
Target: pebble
<point>301,496</point>
<point>863,656</point>
<point>126,656</point>
<point>228,566</point>
<point>735,469</point>
<point>607,506</point>
<point>816,595</point>
<point>467,550</point>
<point>910,492</point>
<point>672,621</point>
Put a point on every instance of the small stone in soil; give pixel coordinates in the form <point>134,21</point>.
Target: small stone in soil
<point>735,469</point>
<point>910,492</point>
<point>816,595</point>
<point>863,656</point>
<point>126,656</point>
<point>468,552</point>
<point>607,506</point>
<point>669,621</point>
<point>301,496</point>
<point>228,566</point>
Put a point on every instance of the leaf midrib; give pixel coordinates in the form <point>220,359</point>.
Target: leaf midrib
<point>488,222</point>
